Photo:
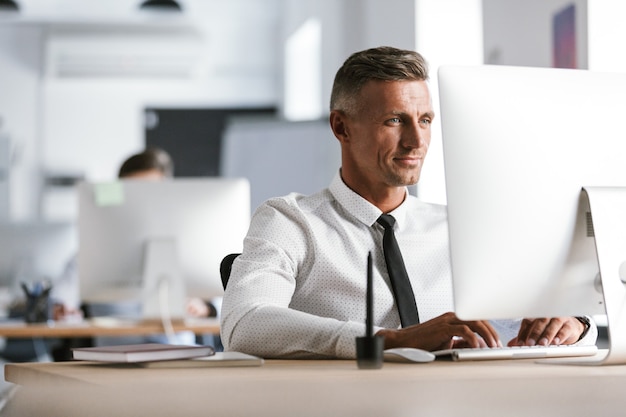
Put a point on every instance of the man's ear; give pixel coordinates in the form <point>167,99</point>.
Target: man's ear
<point>339,125</point>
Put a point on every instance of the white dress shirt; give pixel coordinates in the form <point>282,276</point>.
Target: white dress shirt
<point>298,289</point>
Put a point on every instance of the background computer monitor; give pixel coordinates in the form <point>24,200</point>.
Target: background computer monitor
<point>190,224</point>
<point>519,145</point>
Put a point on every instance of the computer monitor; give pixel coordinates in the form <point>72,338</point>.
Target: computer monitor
<point>535,167</point>
<point>158,241</point>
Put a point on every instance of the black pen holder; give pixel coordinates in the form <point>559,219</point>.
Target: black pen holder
<point>38,308</point>
<point>369,352</point>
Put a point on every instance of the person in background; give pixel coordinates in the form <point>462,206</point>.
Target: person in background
<point>298,288</point>
<point>151,164</point>
<point>156,164</point>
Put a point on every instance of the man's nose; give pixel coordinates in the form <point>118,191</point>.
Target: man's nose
<point>412,136</point>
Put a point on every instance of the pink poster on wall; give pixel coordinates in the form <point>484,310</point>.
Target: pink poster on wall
<point>564,38</point>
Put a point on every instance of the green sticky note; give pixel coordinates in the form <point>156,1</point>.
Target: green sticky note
<point>109,194</point>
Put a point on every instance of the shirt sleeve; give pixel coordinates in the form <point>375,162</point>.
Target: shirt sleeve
<point>256,314</point>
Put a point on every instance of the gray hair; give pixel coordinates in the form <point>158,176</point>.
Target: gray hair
<point>384,63</point>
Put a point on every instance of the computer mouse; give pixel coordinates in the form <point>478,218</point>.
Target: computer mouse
<point>408,355</point>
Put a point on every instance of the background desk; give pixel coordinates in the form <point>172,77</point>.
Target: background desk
<point>318,388</point>
<point>103,327</point>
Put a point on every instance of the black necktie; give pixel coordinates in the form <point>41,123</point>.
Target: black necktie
<point>400,284</point>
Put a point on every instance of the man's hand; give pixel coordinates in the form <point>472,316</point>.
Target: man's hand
<point>196,307</point>
<point>443,332</point>
<point>548,331</point>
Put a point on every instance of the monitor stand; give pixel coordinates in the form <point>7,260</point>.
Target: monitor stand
<point>608,216</point>
<point>163,291</point>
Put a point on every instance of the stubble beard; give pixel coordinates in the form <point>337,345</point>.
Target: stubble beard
<point>403,179</point>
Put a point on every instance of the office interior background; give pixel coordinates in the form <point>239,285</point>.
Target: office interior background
<point>86,83</point>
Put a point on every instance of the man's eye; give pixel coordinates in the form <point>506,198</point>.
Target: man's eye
<point>426,122</point>
<point>395,120</point>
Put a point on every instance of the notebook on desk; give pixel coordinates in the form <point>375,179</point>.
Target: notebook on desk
<point>515,352</point>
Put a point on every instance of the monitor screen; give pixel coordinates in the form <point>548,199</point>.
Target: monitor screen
<point>133,231</point>
<point>519,146</point>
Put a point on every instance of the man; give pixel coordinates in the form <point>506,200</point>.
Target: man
<point>298,288</point>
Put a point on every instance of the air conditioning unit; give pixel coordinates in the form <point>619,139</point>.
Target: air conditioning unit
<point>123,51</point>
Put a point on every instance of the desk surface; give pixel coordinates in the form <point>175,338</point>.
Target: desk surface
<point>103,327</point>
<point>316,388</point>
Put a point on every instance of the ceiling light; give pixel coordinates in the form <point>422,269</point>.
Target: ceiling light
<point>8,6</point>
<point>164,5</point>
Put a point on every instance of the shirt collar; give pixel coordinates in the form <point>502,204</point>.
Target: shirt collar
<point>360,208</point>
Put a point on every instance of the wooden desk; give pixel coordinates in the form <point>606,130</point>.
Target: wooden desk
<point>103,327</point>
<point>319,388</point>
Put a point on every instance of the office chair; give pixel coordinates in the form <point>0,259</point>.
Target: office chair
<point>225,267</point>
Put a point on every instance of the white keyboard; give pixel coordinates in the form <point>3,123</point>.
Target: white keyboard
<point>515,352</point>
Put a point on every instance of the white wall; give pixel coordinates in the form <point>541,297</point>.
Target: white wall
<point>348,26</point>
<point>19,114</point>
<point>447,32</point>
<point>93,124</point>
<point>519,32</point>
<point>607,35</point>
<point>86,126</point>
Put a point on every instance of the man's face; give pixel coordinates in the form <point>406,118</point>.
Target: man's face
<point>388,137</point>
